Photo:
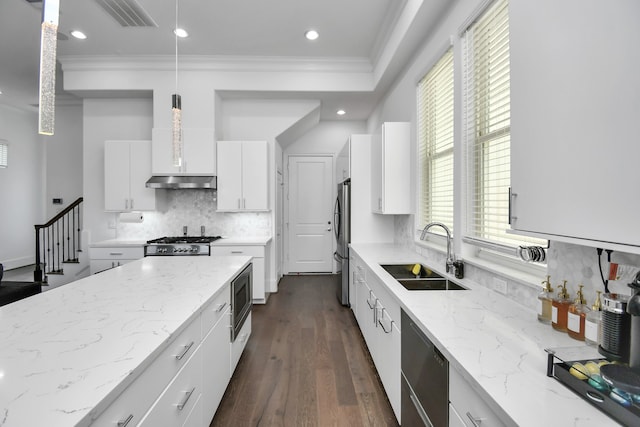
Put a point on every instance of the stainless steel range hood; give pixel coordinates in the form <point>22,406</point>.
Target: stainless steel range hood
<point>177,182</point>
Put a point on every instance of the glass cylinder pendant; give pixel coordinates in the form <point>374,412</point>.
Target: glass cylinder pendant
<point>176,129</point>
<point>48,44</point>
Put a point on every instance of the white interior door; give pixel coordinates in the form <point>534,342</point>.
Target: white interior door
<point>279,224</point>
<point>310,214</point>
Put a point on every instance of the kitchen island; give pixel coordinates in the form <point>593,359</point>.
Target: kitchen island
<point>67,354</point>
<point>494,345</point>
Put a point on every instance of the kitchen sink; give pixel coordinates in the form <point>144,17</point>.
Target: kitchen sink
<point>403,271</point>
<point>426,280</point>
<point>430,285</point>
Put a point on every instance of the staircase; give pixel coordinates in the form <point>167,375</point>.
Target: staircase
<point>60,250</point>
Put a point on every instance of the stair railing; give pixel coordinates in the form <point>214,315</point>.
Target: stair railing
<point>58,242</point>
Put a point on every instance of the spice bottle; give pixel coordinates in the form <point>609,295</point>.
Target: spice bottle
<point>544,302</point>
<point>560,308</point>
<point>592,326</point>
<point>576,316</point>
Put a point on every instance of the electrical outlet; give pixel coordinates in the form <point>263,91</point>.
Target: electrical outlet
<point>500,285</point>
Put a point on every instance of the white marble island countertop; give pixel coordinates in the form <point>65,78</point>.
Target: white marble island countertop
<point>66,352</point>
<point>496,344</point>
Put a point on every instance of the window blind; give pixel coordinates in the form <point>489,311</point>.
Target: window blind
<point>435,144</point>
<point>4,154</point>
<point>487,117</point>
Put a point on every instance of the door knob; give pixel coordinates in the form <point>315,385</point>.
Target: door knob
<point>329,229</point>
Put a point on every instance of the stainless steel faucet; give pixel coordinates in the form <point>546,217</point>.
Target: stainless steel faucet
<point>451,263</point>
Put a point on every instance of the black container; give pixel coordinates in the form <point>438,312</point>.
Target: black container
<point>616,328</point>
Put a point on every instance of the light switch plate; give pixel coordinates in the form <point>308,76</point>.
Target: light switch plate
<point>500,285</point>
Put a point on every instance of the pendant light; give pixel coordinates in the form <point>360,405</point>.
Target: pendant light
<point>176,112</point>
<point>47,88</point>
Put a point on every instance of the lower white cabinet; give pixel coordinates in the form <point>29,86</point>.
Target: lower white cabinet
<point>237,347</point>
<point>215,367</point>
<point>105,258</point>
<point>472,411</point>
<point>259,270</point>
<point>179,398</point>
<point>455,420</point>
<point>378,316</point>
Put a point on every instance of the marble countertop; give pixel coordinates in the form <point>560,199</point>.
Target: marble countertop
<point>496,344</point>
<point>225,241</point>
<point>65,352</point>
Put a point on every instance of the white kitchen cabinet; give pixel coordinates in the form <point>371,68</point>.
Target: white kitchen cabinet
<point>468,404</point>
<point>455,420</point>
<point>259,274</point>
<point>343,165</point>
<point>105,258</point>
<point>127,167</point>
<point>198,154</point>
<point>391,169</point>
<point>573,133</point>
<point>237,347</point>
<point>243,176</point>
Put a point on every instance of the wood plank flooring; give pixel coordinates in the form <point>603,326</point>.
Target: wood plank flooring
<point>305,364</point>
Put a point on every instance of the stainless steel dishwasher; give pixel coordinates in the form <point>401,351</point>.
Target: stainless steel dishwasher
<point>425,379</point>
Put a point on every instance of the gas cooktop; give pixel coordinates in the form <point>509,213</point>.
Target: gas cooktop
<point>184,240</point>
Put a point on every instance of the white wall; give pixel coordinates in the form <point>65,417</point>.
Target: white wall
<point>64,159</point>
<point>21,187</point>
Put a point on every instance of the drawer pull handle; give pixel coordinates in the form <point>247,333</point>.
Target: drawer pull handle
<point>380,321</point>
<point>475,421</point>
<point>423,415</point>
<point>125,422</point>
<point>182,404</point>
<point>237,252</point>
<point>115,253</point>
<point>220,307</point>
<point>186,350</point>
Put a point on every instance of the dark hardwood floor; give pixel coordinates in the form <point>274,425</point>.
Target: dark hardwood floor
<point>305,364</point>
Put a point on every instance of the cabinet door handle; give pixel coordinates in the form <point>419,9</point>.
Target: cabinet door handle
<point>126,203</point>
<point>221,307</point>
<point>244,203</point>
<point>381,323</point>
<point>239,204</point>
<point>182,404</point>
<point>186,350</point>
<point>125,422</point>
<point>475,421</point>
<point>131,203</point>
<point>512,197</point>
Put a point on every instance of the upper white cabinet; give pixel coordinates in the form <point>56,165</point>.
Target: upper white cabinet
<point>343,165</point>
<point>391,169</point>
<point>199,152</point>
<point>574,111</point>
<point>243,176</point>
<point>127,166</point>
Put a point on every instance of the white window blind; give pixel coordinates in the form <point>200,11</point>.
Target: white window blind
<point>4,154</point>
<point>435,144</point>
<point>487,117</point>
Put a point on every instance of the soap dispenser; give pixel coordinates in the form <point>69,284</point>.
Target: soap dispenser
<point>576,316</point>
<point>592,328</point>
<point>544,302</point>
<point>560,308</point>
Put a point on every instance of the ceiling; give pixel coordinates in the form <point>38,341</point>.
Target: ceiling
<point>383,33</point>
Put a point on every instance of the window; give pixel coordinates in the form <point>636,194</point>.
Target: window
<point>435,144</point>
<point>487,117</point>
<point>4,153</point>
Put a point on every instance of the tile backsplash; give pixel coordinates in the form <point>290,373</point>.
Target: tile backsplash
<point>194,208</point>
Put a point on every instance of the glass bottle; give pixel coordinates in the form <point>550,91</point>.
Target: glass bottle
<point>592,326</point>
<point>544,302</point>
<point>560,308</point>
<point>576,316</point>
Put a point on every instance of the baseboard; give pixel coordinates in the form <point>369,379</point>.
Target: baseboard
<point>10,264</point>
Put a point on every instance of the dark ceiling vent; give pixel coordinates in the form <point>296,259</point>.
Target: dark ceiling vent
<point>128,13</point>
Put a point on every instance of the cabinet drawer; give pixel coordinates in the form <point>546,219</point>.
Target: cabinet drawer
<point>100,265</point>
<point>214,311</point>
<point>136,252</point>
<point>468,404</point>
<point>136,399</point>
<point>240,343</point>
<point>255,251</point>
<point>179,398</point>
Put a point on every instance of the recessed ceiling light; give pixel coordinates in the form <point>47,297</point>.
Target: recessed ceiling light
<point>311,34</point>
<point>341,112</point>
<point>181,32</point>
<point>78,34</point>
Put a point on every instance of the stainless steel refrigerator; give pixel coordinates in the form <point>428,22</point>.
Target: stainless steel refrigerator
<point>341,222</point>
